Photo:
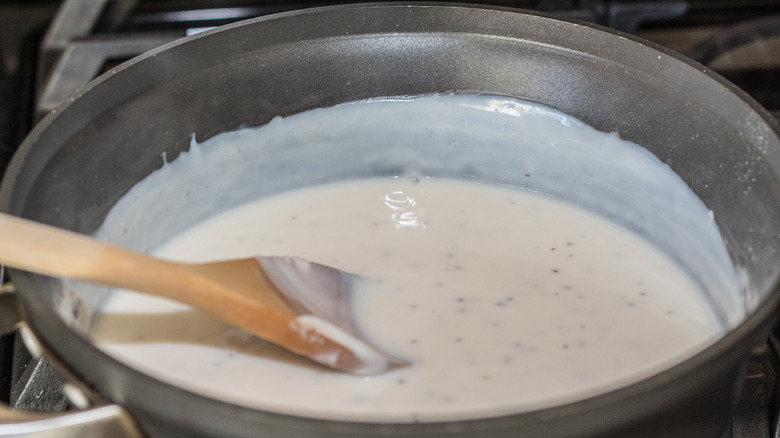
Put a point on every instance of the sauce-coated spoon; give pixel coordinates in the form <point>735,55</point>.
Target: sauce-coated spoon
<point>298,305</point>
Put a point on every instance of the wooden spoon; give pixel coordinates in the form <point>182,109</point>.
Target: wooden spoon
<point>298,305</point>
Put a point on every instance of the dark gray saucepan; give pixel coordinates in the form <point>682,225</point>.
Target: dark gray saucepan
<point>76,164</point>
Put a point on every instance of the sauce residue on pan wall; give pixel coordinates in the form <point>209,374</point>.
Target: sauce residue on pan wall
<point>506,300</point>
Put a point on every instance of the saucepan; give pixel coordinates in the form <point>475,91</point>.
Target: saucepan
<point>89,152</point>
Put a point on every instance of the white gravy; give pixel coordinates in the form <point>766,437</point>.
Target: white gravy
<point>505,300</point>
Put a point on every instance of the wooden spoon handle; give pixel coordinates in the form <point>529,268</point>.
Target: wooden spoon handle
<point>52,251</point>
<point>44,249</point>
<point>35,247</point>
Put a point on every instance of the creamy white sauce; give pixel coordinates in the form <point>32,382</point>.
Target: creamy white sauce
<point>505,300</point>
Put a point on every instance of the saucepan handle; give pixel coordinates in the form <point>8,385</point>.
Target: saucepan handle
<point>90,421</point>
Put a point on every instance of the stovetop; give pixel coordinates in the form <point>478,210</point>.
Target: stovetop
<point>49,48</point>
